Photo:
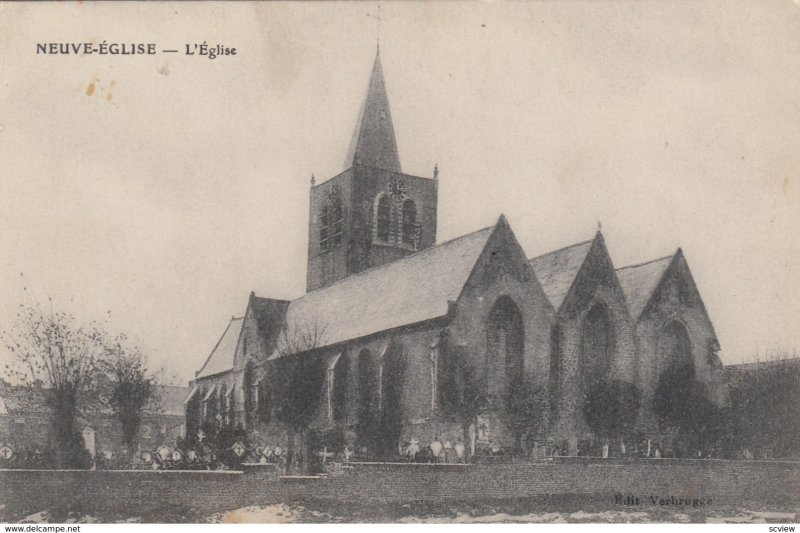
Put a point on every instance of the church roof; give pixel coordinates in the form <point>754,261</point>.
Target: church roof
<point>222,356</point>
<point>640,281</point>
<point>557,270</point>
<point>373,143</point>
<point>268,314</point>
<point>407,291</point>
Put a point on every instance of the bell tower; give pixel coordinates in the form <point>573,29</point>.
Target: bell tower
<point>371,213</point>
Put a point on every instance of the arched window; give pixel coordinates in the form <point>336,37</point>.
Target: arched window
<point>434,357</point>
<point>383,217</point>
<point>505,345</point>
<point>337,220</point>
<point>674,346</point>
<point>223,405</point>
<point>367,399</point>
<point>250,395</point>
<point>409,222</point>
<point>340,379</point>
<point>331,219</point>
<point>325,228</point>
<point>231,405</point>
<point>211,405</point>
<point>194,412</point>
<point>555,370</point>
<point>597,344</point>
<point>392,381</point>
<point>264,404</point>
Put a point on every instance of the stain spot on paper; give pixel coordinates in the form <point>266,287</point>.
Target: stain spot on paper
<point>90,89</point>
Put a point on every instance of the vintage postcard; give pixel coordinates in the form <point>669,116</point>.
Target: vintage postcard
<point>384,262</point>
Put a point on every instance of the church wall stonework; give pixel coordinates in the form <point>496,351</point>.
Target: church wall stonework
<point>369,183</point>
<point>504,272</point>
<point>327,266</point>
<point>596,285</point>
<point>359,188</point>
<point>675,300</point>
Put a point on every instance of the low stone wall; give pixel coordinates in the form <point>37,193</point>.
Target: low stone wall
<point>724,482</point>
<point>198,493</point>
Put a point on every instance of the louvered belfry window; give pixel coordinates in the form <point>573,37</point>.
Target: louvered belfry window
<point>384,216</point>
<point>409,222</point>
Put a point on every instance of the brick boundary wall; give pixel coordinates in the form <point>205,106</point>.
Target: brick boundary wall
<point>134,493</point>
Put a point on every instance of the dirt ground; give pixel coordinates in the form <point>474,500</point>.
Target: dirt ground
<point>564,509</point>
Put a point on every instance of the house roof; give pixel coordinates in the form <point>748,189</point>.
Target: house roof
<point>640,281</point>
<point>171,399</point>
<point>557,270</point>
<point>18,399</point>
<point>222,356</point>
<point>410,290</point>
<point>373,143</point>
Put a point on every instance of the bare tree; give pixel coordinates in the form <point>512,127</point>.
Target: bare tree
<point>298,376</point>
<point>58,358</point>
<point>299,336</point>
<point>131,391</point>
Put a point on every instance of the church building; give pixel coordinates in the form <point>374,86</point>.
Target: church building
<point>400,338</point>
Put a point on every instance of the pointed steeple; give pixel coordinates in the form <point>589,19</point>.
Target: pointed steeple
<point>373,142</point>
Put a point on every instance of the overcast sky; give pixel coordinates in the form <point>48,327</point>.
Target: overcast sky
<point>165,188</point>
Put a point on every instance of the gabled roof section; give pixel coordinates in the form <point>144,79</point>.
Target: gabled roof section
<point>373,143</point>
<point>639,282</point>
<point>556,271</point>
<point>407,291</point>
<point>222,356</point>
<point>268,314</point>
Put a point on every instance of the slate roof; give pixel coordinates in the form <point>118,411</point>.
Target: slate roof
<point>557,270</point>
<point>640,281</point>
<point>373,143</point>
<point>410,290</point>
<point>221,358</point>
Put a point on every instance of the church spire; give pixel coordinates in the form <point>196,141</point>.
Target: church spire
<point>373,143</point>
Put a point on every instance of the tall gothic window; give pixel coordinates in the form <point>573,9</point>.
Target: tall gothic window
<point>434,374</point>
<point>331,220</point>
<point>409,222</point>
<point>264,404</point>
<point>341,377</point>
<point>324,228</point>
<point>337,220</point>
<point>505,338</point>
<point>250,395</point>
<point>223,405</point>
<point>331,385</point>
<point>598,344</point>
<point>368,383</point>
<point>555,370</point>
<point>231,406</point>
<point>194,411</point>
<point>384,219</point>
<point>674,346</point>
